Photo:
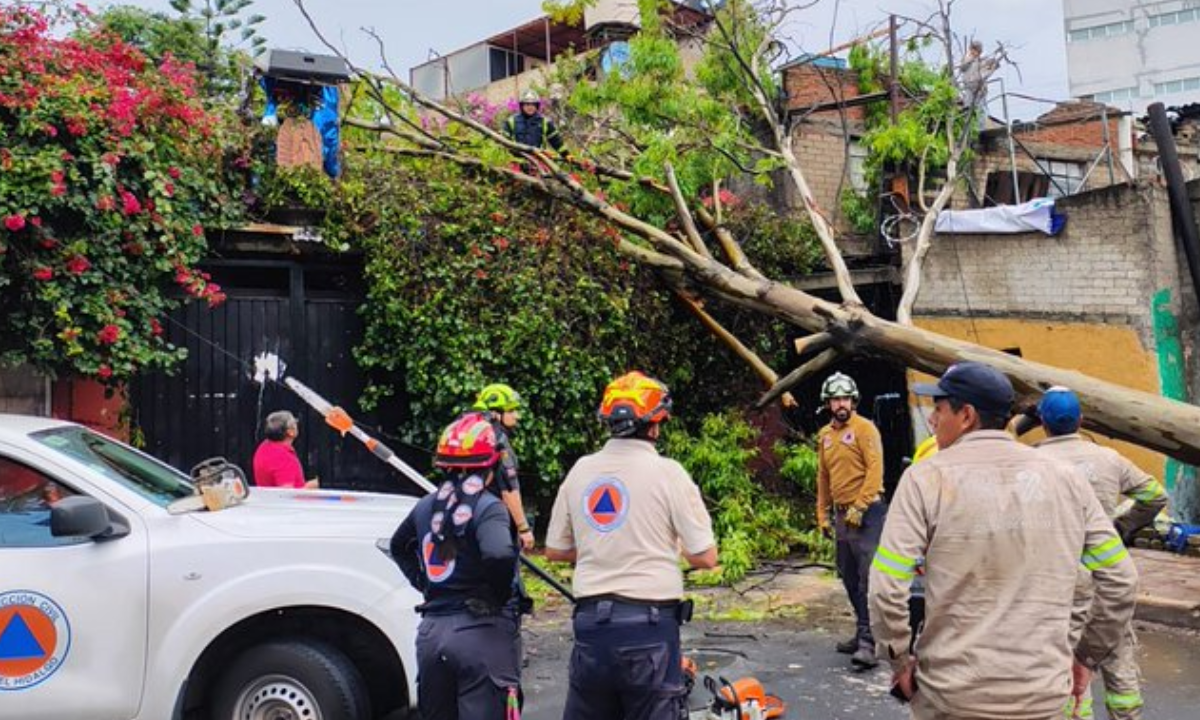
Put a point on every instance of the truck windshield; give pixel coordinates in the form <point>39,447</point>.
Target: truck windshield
<point>153,480</point>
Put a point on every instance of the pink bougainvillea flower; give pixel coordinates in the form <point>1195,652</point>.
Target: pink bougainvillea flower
<point>106,202</point>
<point>108,335</point>
<point>78,265</point>
<point>197,229</point>
<point>156,327</point>
<point>174,172</point>
<point>104,372</point>
<point>48,243</point>
<point>43,273</point>
<point>129,203</point>
<point>15,223</point>
<point>36,221</point>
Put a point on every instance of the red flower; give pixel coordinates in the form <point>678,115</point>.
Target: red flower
<point>58,177</point>
<point>105,202</point>
<point>58,190</point>
<point>129,203</point>
<point>169,189</point>
<point>197,230</point>
<point>50,130</point>
<point>15,223</point>
<point>108,335</point>
<point>78,265</point>
<point>43,273</point>
<point>174,172</point>
<point>501,243</point>
<point>36,221</point>
<point>156,328</point>
<point>104,372</point>
<point>77,126</point>
<point>110,158</point>
<point>49,243</point>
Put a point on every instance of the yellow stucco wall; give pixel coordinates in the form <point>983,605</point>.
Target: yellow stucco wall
<point>1109,352</point>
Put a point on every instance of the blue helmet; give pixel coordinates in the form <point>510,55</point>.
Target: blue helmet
<point>1060,411</point>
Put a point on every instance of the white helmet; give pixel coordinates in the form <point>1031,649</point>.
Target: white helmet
<point>530,97</point>
<point>839,385</point>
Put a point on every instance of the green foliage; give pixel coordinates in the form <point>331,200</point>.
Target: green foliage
<point>920,132</point>
<point>858,211</point>
<point>301,186</point>
<point>107,180</point>
<point>780,246</point>
<point>799,465</point>
<point>748,523</point>
<point>227,31</point>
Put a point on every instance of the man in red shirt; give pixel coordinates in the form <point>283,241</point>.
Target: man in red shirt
<point>275,460</point>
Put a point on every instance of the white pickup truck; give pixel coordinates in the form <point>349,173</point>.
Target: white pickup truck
<point>120,599</point>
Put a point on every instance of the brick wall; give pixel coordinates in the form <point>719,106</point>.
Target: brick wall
<point>809,85</point>
<point>822,153</point>
<point>1117,251</point>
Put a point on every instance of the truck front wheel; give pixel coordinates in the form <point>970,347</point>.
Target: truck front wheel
<point>291,680</point>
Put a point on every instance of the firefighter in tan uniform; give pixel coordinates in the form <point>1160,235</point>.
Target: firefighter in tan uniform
<point>623,516</point>
<point>850,478</point>
<point>1114,479</point>
<point>1003,528</point>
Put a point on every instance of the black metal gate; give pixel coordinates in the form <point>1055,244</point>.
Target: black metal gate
<point>305,313</point>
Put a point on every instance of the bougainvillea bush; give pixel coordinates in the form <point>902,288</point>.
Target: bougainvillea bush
<point>107,180</point>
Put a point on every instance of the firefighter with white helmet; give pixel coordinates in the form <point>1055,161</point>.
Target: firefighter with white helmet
<point>850,480</point>
<point>529,126</point>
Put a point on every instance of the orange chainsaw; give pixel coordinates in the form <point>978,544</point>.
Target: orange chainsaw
<point>743,699</point>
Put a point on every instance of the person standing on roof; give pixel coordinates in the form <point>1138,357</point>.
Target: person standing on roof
<point>457,549</point>
<point>1003,527</point>
<point>502,405</point>
<point>850,479</point>
<point>530,127</point>
<point>1114,479</point>
<point>623,516</point>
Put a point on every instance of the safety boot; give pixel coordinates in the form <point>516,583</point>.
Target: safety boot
<point>864,658</point>
<point>847,647</point>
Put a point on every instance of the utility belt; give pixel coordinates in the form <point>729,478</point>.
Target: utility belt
<point>846,506</point>
<point>604,605</point>
<point>476,607</point>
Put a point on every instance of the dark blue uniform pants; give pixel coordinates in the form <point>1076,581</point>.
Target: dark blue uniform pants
<point>625,664</point>
<point>855,551</point>
<point>466,666</point>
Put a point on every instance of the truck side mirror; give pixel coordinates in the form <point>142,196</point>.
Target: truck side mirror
<point>82,516</point>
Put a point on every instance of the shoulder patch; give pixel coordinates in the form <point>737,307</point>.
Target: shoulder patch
<point>606,504</point>
<point>848,437</point>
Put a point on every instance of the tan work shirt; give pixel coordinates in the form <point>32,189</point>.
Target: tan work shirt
<point>849,465</point>
<point>1003,528</point>
<point>627,511</point>
<point>1113,477</point>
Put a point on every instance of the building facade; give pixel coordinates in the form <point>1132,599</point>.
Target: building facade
<point>1130,53</point>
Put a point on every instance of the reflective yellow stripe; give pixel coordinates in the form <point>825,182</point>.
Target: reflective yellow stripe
<point>1127,701</point>
<point>1106,555</point>
<point>1153,491</point>
<point>1084,712</point>
<point>893,564</point>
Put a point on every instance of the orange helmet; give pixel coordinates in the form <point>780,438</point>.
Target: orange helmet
<point>633,401</point>
<point>468,442</point>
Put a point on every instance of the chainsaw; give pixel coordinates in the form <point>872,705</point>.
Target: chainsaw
<point>743,699</point>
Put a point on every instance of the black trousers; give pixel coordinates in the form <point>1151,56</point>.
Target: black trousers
<point>625,664</point>
<point>467,666</point>
<point>855,551</point>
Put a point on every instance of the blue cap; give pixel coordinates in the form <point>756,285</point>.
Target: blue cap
<point>1060,411</point>
<point>974,383</point>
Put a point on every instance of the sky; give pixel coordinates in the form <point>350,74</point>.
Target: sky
<point>416,30</point>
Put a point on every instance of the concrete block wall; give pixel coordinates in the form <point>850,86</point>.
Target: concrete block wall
<point>23,391</point>
<point>1115,254</point>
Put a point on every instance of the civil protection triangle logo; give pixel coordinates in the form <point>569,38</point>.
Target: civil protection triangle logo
<point>35,638</point>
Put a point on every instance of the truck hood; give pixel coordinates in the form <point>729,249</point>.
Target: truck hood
<point>272,512</point>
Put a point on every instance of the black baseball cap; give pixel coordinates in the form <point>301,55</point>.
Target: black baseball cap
<point>973,383</point>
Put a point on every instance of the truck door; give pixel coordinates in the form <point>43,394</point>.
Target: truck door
<point>73,611</point>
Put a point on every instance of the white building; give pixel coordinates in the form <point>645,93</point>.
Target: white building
<point>1130,53</point>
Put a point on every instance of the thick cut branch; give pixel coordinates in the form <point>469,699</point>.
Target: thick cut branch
<point>795,377</point>
<point>684,214</point>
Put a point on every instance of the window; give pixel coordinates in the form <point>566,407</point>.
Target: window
<point>1100,32</point>
<point>1171,87</point>
<point>858,167</point>
<point>505,63</point>
<point>1116,96</point>
<point>1178,17</point>
<point>25,498</point>
<point>1066,178</point>
<point>160,484</point>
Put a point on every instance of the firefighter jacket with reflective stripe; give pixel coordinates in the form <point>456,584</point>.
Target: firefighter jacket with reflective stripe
<point>849,465</point>
<point>1114,478</point>
<point>534,130</point>
<point>1003,528</point>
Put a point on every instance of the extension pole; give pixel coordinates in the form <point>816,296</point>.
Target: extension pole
<point>340,420</point>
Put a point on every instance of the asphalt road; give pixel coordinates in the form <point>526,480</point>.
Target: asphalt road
<point>796,661</point>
